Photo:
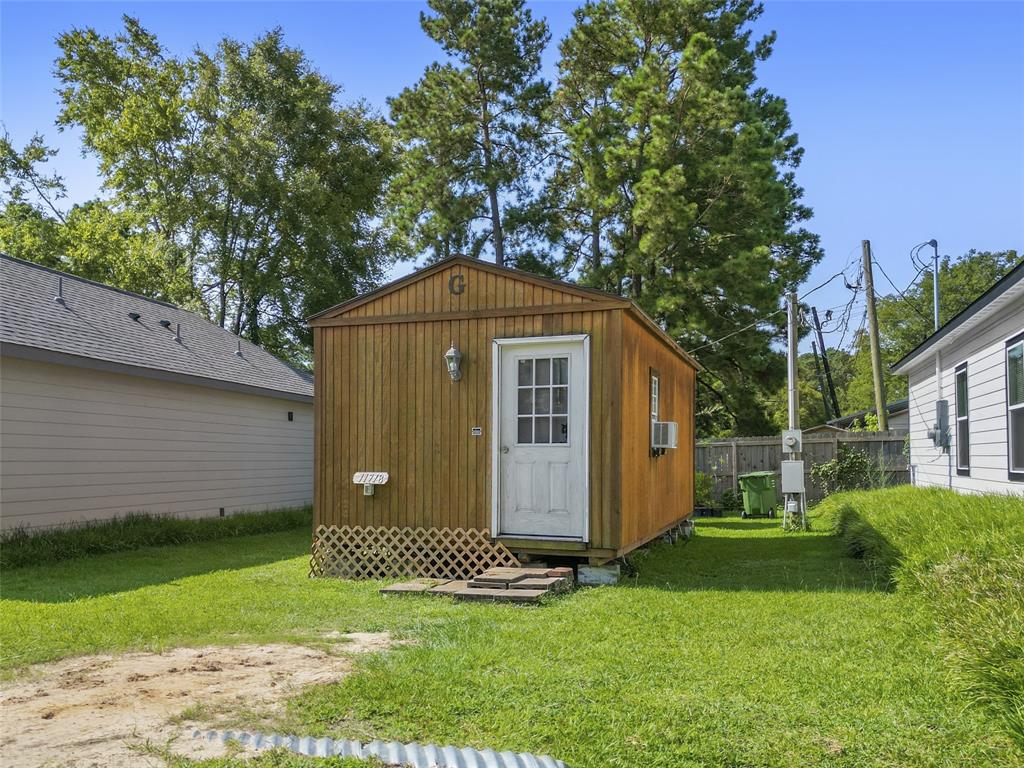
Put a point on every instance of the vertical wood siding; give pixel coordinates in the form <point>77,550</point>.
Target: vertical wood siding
<point>385,403</point>
<point>77,444</point>
<point>656,491</point>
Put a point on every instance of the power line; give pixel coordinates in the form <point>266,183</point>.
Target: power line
<point>764,318</point>
<point>901,293</point>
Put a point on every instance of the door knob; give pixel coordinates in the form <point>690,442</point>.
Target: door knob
<point>504,449</point>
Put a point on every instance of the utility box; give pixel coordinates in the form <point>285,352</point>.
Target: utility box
<point>939,433</point>
<point>792,440</point>
<point>792,477</point>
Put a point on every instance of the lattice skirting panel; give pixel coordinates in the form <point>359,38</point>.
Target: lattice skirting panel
<point>357,552</point>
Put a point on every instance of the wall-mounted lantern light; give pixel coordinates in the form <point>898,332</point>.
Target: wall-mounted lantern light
<point>452,359</point>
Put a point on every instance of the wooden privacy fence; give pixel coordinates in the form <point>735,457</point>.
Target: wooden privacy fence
<point>724,460</point>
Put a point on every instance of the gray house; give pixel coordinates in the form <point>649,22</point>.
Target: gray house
<point>967,395</point>
<point>112,403</point>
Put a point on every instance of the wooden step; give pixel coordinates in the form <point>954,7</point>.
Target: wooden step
<point>501,595</point>
<point>546,583</point>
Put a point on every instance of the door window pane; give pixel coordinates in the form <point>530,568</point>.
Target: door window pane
<point>560,370</point>
<point>560,429</point>
<point>526,430</point>
<point>525,400</point>
<point>542,429</point>
<point>543,402</point>
<point>525,373</point>
<point>543,368</point>
<point>560,402</point>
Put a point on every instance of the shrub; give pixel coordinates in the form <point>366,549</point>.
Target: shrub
<point>849,471</point>
<point>732,500</point>
<point>20,547</point>
<point>965,556</point>
<point>702,486</point>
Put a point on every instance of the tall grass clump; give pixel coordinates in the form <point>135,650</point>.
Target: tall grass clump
<point>965,555</point>
<point>21,547</point>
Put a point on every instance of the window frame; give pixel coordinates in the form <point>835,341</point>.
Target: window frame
<point>654,406</point>
<point>533,387</point>
<point>655,395</point>
<point>1014,475</point>
<point>964,417</point>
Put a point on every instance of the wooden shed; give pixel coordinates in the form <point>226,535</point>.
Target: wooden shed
<point>534,435</point>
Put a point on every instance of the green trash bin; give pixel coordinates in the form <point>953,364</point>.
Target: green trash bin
<point>758,494</point>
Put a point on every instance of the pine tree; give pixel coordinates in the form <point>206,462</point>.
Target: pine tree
<point>472,129</point>
<point>676,182</point>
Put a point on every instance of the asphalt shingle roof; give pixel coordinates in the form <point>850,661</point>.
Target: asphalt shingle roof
<point>94,322</point>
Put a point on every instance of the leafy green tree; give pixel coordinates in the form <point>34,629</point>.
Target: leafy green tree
<point>93,240</point>
<point>256,183</point>
<point>676,182</point>
<point>472,130</point>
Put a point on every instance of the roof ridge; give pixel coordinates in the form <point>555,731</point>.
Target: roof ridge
<point>105,286</point>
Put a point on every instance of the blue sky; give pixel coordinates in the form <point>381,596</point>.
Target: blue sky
<point>911,114</point>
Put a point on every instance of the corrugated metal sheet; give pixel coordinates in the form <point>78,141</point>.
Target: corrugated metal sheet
<point>391,752</point>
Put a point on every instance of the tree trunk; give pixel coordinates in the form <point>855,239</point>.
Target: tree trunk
<point>595,243</point>
<point>499,236</point>
<point>492,188</point>
<point>222,303</point>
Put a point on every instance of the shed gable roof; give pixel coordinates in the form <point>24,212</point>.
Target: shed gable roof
<point>94,324</point>
<point>486,288</point>
<point>482,285</point>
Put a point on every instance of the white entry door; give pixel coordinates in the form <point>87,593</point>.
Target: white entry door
<point>542,405</point>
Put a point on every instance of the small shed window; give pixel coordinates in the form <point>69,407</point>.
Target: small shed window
<point>963,426</point>
<point>655,396</point>
<point>1015,406</point>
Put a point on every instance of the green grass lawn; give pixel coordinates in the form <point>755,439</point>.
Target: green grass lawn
<point>745,647</point>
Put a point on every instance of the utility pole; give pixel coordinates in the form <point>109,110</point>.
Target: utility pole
<point>821,383</point>
<point>935,279</point>
<point>876,352</point>
<point>791,340</point>
<point>824,362</point>
<point>792,441</point>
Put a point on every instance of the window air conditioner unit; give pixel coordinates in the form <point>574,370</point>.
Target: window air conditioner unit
<point>664,434</point>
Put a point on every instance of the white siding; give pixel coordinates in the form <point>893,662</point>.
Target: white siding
<point>77,444</point>
<point>985,355</point>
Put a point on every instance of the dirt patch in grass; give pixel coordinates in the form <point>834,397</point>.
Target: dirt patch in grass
<point>115,711</point>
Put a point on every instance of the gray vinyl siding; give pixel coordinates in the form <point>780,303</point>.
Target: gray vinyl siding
<point>78,444</point>
<point>985,355</point>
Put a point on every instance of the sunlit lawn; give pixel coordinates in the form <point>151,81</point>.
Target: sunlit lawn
<point>744,647</point>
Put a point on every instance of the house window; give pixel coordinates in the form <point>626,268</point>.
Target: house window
<point>1015,406</point>
<point>655,396</point>
<point>963,426</point>
<point>543,401</point>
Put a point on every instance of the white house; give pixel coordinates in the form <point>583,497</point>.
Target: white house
<point>967,395</point>
<point>112,403</point>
